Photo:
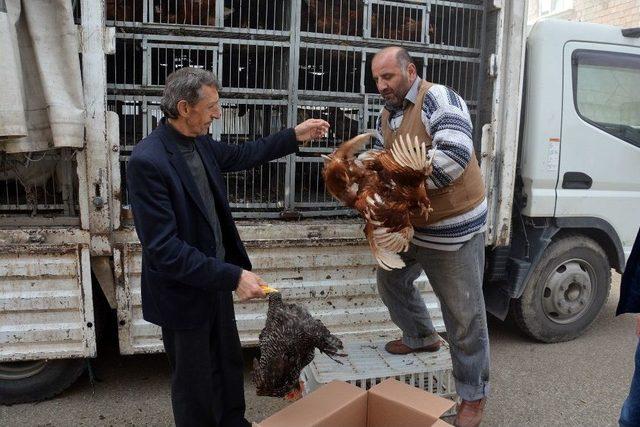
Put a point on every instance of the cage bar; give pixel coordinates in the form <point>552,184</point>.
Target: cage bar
<point>456,25</point>
<point>121,12</point>
<point>166,58</point>
<point>40,183</point>
<point>332,17</point>
<point>329,69</point>
<point>401,21</point>
<point>255,66</point>
<point>273,78</point>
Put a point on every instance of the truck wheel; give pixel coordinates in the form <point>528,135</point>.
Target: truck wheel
<point>35,380</point>
<point>566,290</point>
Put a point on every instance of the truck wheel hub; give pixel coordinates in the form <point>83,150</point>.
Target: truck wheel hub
<point>14,371</point>
<point>568,291</point>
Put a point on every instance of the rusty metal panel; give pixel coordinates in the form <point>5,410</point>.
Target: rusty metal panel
<point>328,269</point>
<point>135,334</point>
<point>335,282</point>
<point>46,304</point>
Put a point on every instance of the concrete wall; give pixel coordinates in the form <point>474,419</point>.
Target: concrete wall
<point>622,13</point>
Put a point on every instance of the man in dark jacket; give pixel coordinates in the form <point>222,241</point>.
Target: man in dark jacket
<point>192,255</point>
<point>630,303</point>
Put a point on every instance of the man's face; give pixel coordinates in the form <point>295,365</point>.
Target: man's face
<point>198,117</point>
<point>392,81</point>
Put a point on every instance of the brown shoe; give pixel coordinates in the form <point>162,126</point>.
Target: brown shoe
<point>469,413</point>
<point>398,347</point>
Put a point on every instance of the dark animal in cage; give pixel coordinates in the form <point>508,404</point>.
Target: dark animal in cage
<point>259,15</point>
<point>344,125</point>
<point>332,17</point>
<point>260,120</point>
<point>287,344</point>
<point>335,70</point>
<point>185,12</point>
<point>124,10</point>
<point>254,67</point>
<point>387,187</point>
<point>396,23</point>
<point>346,18</point>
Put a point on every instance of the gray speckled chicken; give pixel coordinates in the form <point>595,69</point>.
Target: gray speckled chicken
<point>287,345</point>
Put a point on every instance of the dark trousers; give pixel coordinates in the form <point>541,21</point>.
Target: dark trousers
<point>630,414</point>
<point>207,384</point>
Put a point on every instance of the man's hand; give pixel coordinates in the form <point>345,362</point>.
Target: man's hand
<point>249,286</point>
<point>311,129</point>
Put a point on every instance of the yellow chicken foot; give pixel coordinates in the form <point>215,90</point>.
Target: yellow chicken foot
<point>268,289</point>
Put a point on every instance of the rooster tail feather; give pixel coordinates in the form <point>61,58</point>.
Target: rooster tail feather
<point>389,260</point>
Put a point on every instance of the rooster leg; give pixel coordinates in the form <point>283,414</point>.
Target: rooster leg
<point>336,354</point>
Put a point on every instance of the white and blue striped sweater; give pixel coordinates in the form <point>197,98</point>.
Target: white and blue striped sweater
<point>446,118</point>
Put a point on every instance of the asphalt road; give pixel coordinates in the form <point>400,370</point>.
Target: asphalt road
<point>578,383</point>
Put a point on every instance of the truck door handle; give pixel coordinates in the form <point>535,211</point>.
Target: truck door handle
<point>576,181</point>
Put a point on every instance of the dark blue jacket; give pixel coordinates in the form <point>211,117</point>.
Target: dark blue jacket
<point>180,274</point>
<point>630,284</point>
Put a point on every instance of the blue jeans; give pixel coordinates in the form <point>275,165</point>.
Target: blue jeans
<point>630,415</point>
<point>456,279</point>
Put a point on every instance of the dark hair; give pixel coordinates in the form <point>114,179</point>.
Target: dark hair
<point>185,84</point>
<point>402,56</point>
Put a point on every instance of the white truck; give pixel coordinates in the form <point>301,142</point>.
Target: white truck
<point>558,136</point>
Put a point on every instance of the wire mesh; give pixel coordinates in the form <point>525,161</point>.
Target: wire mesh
<point>274,76</point>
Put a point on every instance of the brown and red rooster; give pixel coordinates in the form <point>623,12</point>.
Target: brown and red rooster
<point>387,187</point>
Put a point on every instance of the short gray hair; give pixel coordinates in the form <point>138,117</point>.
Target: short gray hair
<point>185,84</point>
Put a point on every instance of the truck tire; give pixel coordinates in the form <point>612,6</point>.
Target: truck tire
<point>35,380</point>
<point>566,290</point>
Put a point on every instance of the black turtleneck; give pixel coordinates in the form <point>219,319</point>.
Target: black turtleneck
<point>187,147</point>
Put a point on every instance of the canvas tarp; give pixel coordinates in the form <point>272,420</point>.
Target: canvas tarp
<point>42,105</point>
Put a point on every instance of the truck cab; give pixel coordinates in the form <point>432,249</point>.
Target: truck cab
<point>577,189</point>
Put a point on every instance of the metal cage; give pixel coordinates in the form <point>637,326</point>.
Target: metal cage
<point>279,63</point>
<point>39,184</point>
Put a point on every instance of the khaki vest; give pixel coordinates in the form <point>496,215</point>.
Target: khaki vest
<point>463,194</point>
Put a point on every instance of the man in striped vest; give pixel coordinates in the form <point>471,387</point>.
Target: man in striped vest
<point>449,245</point>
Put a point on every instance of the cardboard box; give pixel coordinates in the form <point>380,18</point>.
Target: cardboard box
<point>339,404</point>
